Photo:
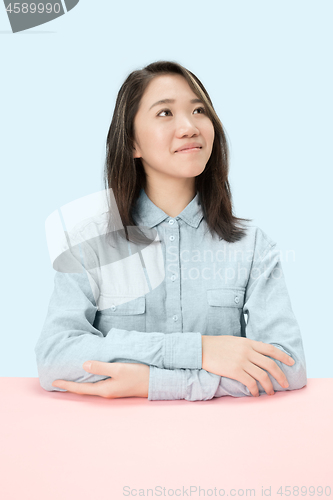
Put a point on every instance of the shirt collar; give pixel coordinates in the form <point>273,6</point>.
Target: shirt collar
<point>146,213</point>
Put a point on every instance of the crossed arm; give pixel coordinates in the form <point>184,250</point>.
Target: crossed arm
<point>172,366</point>
<point>132,379</point>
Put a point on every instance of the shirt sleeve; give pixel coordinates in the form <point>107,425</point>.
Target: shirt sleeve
<point>68,338</point>
<point>270,319</point>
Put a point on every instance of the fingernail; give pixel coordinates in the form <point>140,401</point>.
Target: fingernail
<point>87,365</point>
<point>285,384</point>
<point>291,361</point>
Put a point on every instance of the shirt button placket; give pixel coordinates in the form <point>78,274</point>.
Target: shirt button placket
<point>173,305</point>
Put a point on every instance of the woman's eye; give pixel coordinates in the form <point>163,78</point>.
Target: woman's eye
<point>163,111</point>
<point>168,110</point>
<point>203,109</point>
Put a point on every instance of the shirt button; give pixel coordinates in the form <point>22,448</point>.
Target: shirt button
<point>236,299</point>
<point>171,238</point>
<point>173,277</point>
<point>171,221</point>
<point>113,307</point>
<point>175,318</point>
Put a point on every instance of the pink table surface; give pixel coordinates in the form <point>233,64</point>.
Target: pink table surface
<point>65,446</point>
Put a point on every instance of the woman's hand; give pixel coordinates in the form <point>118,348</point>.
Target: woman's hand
<point>128,380</point>
<point>242,359</point>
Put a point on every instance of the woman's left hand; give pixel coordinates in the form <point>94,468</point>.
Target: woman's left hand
<point>128,380</point>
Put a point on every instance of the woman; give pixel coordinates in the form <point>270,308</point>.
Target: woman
<point>186,336</point>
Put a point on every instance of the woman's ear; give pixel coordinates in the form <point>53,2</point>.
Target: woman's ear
<point>136,151</point>
<point>136,154</point>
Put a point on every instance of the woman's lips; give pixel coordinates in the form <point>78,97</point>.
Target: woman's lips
<point>190,150</point>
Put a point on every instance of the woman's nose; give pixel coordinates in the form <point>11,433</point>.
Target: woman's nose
<point>186,125</point>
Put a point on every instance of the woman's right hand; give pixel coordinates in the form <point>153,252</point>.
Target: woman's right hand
<point>244,360</point>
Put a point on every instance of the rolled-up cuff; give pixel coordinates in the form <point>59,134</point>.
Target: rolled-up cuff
<point>183,350</point>
<point>166,384</point>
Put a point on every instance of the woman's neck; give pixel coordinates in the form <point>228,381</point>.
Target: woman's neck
<point>172,199</point>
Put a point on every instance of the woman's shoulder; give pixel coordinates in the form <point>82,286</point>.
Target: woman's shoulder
<point>255,239</point>
<point>259,234</point>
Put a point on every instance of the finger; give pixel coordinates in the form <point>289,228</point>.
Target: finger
<point>59,384</point>
<point>269,365</point>
<point>246,379</point>
<point>89,388</point>
<point>272,351</point>
<point>260,375</point>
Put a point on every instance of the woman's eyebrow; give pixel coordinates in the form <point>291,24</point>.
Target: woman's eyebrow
<point>167,101</point>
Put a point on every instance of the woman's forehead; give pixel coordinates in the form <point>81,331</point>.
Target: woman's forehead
<point>167,88</point>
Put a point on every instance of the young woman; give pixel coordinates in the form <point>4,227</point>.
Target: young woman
<point>220,321</point>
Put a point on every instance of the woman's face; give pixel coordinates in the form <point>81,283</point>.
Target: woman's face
<point>161,129</point>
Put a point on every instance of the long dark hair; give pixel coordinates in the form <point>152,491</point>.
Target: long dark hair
<point>125,175</point>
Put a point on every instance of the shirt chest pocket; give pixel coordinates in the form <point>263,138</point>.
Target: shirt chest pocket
<point>225,307</point>
<point>130,315</point>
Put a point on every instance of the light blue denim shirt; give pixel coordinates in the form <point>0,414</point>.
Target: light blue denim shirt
<point>210,287</point>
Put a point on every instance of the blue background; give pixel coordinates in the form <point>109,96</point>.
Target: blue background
<point>268,69</point>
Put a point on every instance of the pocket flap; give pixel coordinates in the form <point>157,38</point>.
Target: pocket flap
<point>226,297</point>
